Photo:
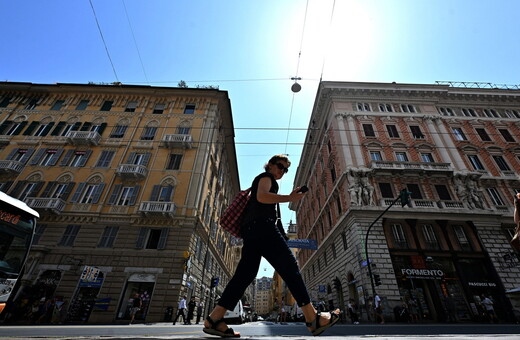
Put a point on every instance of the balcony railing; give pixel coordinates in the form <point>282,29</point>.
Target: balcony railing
<point>178,141</point>
<point>132,171</point>
<point>158,208</point>
<point>11,167</point>
<point>411,166</point>
<point>55,205</point>
<point>83,137</point>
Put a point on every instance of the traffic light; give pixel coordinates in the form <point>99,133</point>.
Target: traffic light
<point>404,195</point>
<point>214,282</point>
<point>377,280</point>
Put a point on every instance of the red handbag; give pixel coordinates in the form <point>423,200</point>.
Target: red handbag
<point>231,219</point>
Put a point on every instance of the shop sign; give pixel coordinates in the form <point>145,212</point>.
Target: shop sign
<point>98,282</point>
<point>90,273</point>
<point>412,273</point>
<point>482,284</point>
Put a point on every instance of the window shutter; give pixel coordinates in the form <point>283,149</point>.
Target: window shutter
<point>38,156</point>
<point>36,189</point>
<point>155,193</point>
<point>78,192</point>
<point>140,239</point>
<point>85,158</point>
<point>76,126</point>
<point>12,153</point>
<point>31,128</point>
<point>26,156</point>
<point>68,190</point>
<point>86,126</point>
<point>4,126</point>
<point>55,157</point>
<point>65,161</point>
<point>102,128</point>
<point>97,194</point>
<point>163,238</point>
<point>48,188</point>
<point>131,158</point>
<point>115,193</point>
<point>17,188</point>
<point>146,158</point>
<point>6,186</point>
<point>134,195</point>
<point>169,193</point>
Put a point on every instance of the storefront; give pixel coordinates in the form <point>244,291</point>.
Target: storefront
<point>84,298</point>
<point>142,284</point>
<point>433,285</point>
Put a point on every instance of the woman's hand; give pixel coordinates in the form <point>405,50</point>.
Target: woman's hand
<point>295,196</point>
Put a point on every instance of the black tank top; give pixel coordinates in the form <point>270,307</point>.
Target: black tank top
<point>256,209</point>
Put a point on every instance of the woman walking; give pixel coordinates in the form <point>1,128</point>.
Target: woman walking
<point>262,238</point>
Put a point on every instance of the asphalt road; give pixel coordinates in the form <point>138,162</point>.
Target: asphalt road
<point>265,330</point>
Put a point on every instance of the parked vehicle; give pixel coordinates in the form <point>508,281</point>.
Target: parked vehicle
<point>236,315</point>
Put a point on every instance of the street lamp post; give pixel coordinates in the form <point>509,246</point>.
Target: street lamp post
<point>404,196</point>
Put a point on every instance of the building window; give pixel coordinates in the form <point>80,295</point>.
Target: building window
<point>118,131</point>
<point>401,156</point>
<point>131,106</point>
<point>408,108</point>
<point>415,190</point>
<point>392,131</point>
<point>443,192</point>
<point>174,163</point>
<point>69,236</point>
<point>333,249</point>
<point>368,129</point>
<point>30,190</point>
<point>31,105</point>
<point>344,240</point>
<point>461,237</point>
<point>5,101</point>
<point>50,157</point>
<point>399,238</point>
<point>507,135</point>
<point>76,158</point>
<point>82,105</point>
<point>512,114</point>
<point>446,111</point>
<point>459,134</point>
<point>475,162</point>
<point>12,128</point>
<point>159,109</point>
<point>189,109</point>
<point>430,237</point>
<point>57,105</point>
<point>183,130</point>
<point>149,133</point>
<point>363,107</point>
<point>483,134</point>
<point>501,162</point>
<point>125,196</point>
<point>469,112</point>
<point>108,237</point>
<point>60,191</point>
<point>154,238</point>
<point>88,195</point>
<point>38,233</point>
<point>386,108</point>
<point>427,157</point>
<point>491,113</point>
<point>386,190</point>
<point>495,196</point>
<point>107,105</point>
<point>375,156</point>
<point>416,132</point>
<point>104,159</point>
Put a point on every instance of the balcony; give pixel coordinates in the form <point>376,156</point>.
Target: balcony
<point>11,167</point>
<point>428,204</point>
<point>394,167</point>
<point>154,208</point>
<point>132,171</point>
<point>178,141</point>
<point>54,205</point>
<point>83,137</point>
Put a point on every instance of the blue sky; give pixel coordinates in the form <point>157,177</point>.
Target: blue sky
<point>252,48</point>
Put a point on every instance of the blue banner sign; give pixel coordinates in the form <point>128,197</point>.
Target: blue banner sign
<point>303,244</point>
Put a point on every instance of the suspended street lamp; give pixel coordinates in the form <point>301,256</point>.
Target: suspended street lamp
<point>296,87</point>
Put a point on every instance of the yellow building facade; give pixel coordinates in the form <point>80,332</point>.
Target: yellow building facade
<point>129,182</point>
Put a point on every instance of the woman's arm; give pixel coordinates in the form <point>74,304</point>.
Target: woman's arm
<point>264,196</point>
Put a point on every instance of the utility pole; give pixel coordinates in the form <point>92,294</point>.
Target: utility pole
<point>404,196</point>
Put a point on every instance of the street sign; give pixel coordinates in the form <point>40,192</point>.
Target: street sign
<point>303,244</point>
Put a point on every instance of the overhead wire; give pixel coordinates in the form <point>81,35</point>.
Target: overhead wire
<point>135,41</point>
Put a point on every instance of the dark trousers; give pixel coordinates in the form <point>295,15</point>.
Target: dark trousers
<point>180,313</point>
<point>263,239</point>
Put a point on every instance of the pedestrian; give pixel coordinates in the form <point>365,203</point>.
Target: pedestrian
<point>283,312</point>
<point>515,241</point>
<point>487,303</point>
<point>200,307</point>
<point>413,310</point>
<point>180,310</point>
<point>379,309</point>
<point>135,306</point>
<point>191,310</point>
<point>262,237</point>
<point>352,312</point>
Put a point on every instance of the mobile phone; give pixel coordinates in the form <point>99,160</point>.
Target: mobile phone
<point>303,189</point>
